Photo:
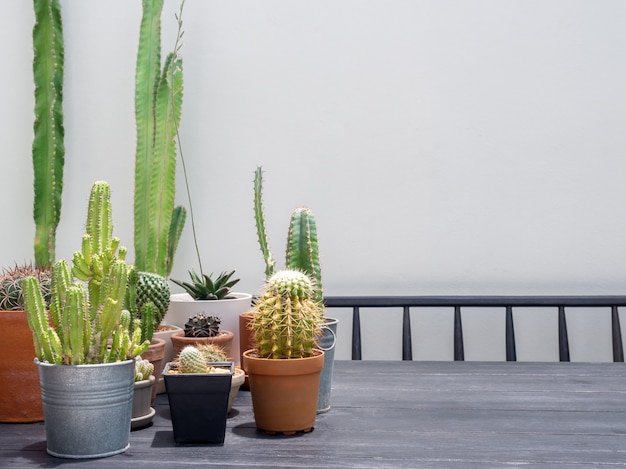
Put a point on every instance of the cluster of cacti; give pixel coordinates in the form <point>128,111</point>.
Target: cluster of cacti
<point>11,285</point>
<point>302,252</point>
<point>192,360</point>
<point>203,287</point>
<point>143,369</point>
<point>201,325</point>
<point>288,319</point>
<point>158,103</point>
<point>89,325</point>
<point>48,151</point>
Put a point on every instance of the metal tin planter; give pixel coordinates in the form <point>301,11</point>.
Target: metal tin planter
<point>327,344</point>
<point>87,408</point>
<point>199,405</point>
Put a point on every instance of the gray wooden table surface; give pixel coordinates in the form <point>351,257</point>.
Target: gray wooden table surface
<point>403,414</point>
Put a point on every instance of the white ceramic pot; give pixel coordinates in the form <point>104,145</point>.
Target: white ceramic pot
<point>183,306</point>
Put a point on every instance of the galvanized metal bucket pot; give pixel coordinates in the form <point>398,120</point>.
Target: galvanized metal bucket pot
<point>87,408</point>
<point>327,344</point>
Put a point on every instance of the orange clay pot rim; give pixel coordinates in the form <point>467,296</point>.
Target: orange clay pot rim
<point>252,353</point>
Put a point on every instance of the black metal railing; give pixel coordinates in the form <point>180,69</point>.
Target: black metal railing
<point>460,302</point>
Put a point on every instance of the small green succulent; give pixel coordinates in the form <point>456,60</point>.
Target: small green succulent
<point>203,287</point>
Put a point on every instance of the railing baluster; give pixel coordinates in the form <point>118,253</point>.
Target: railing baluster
<point>459,352</point>
<point>407,348</point>
<point>511,354</point>
<point>618,350</point>
<point>356,334</point>
<point>563,339</point>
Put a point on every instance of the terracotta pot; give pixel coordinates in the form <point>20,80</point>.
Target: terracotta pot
<point>238,378</point>
<point>154,355</point>
<point>284,391</point>
<point>224,340</point>
<point>246,341</point>
<point>19,382</point>
<point>165,331</point>
<point>246,336</point>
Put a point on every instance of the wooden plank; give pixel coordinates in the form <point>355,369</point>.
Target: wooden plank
<point>403,414</point>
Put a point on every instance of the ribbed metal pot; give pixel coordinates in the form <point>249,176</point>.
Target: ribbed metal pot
<point>87,408</point>
<point>327,343</point>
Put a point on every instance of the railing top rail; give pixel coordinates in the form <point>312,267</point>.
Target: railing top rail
<point>468,301</point>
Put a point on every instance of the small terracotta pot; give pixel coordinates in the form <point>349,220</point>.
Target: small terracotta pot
<point>284,391</point>
<point>19,381</point>
<point>155,354</point>
<point>224,340</point>
<point>246,340</point>
<point>238,378</point>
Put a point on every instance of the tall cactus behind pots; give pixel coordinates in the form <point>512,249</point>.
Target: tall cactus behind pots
<point>48,151</point>
<point>302,252</point>
<point>158,103</point>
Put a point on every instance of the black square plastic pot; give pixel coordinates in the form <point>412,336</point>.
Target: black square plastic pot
<point>199,405</point>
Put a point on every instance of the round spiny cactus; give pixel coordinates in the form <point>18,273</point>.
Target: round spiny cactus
<point>288,320</point>
<point>192,360</point>
<point>154,288</point>
<point>11,293</point>
<point>212,353</point>
<point>202,325</point>
<point>143,369</point>
<point>290,283</point>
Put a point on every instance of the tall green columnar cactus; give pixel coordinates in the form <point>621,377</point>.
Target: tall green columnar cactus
<point>158,103</point>
<point>288,320</point>
<point>99,249</point>
<point>48,150</point>
<point>302,251</point>
<point>259,217</point>
<point>89,324</point>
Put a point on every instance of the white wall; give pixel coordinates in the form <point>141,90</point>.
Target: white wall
<point>445,146</point>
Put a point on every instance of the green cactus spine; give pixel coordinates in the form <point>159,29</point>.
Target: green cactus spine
<point>88,323</point>
<point>192,360</point>
<point>288,320</point>
<point>48,149</point>
<point>158,103</point>
<point>302,252</point>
